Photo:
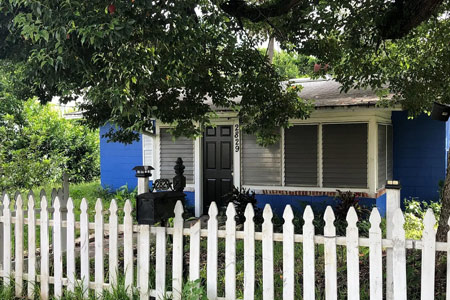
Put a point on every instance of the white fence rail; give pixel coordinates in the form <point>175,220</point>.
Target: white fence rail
<point>119,235</point>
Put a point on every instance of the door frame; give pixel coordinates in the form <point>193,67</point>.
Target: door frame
<point>198,161</point>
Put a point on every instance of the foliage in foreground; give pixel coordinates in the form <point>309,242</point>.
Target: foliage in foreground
<point>37,146</point>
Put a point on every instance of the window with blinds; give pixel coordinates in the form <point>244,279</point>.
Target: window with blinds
<point>384,154</point>
<point>300,155</point>
<point>344,160</point>
<point>260,165</point>
<point>170,150</point>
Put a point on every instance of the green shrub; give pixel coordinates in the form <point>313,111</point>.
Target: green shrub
<point>241,198</point>
<point>37,145</point>
<point>414,213</point>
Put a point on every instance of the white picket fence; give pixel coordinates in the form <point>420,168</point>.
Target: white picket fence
<point>37,268</point>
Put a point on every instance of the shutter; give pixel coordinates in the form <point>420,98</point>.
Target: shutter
<point>381,155</point>
<point>170,150</point>
<point>147,142</point>
<point>260,165</point>
<point>345,155</point>
<point>389,153</point>
<point>300,155</point>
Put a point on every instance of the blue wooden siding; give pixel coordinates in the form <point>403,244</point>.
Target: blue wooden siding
<point>419,154</point>
<point>117,161</point>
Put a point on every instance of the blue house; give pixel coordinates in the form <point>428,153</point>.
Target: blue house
<point>348,143</point>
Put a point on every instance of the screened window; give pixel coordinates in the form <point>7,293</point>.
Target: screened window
<point>344,149</point>
<point>300,155</point>
<point>172,149</point>
<point>260,165</point>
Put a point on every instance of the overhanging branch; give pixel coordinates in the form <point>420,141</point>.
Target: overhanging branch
<point>259,13</point>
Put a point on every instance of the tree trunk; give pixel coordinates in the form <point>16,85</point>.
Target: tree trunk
<point>270,48</point>
<point>443,228</point>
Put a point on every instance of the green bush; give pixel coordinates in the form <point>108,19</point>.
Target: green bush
<point>37,145</point>
<point>414,213</point>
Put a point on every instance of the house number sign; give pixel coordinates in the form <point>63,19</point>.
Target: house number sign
<point>237,145</point>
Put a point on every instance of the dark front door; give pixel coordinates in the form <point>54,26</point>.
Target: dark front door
<point>217,165</point>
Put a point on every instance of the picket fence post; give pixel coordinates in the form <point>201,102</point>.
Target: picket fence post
<point>113,244</point>
<point>18,257</point>
<point>230,253</point>
<point>288,254</point>
<point>267,254</point>
<point>44,293</point>
<point>249,253</point>
<point>99,264</point>
<point>57,255</point>
<point>177,260</point>
<point>71,276</point>
<point>31,245</point>
<point>160,266</point>
<point>428,256</point>
<point>330,255</point>
<point>84,251</point>
<point>211,265</point>
<point>392,204</point>
<point>144,261</point>
<point>308,255</point>
<point>375,256</point>
<point>194,251</point>
<point>399,256</point>
<point>352,236</point>
<point>128,248</point>
<point>7,239</point>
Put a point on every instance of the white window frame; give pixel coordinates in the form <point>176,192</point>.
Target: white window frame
<point>372,117</point>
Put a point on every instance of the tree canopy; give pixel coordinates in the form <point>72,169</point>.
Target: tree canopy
<point>135,60</point>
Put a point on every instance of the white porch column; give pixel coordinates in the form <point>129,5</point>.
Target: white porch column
<point>198,176</point>
<point>372,153</point>
<point>392,203</point>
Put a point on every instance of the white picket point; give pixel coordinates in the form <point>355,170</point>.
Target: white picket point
<point>399,255</point>
<point>18,233</point>
<point>352,236</point>
<point>428,256</point>
<point>288,254</point>
<point>31,245</point>
<point>7,239</point>
<point>330,255</point>
<point>177,261</point>
<point>99,249</point>
<point>71,276</point>
<point>144,261</point>
<point>84,251</point>
<point>194,251</point>
<point>211,265</point>
<point>230,253</point>
<point>113,244</point>
<point>128,248</point>
<point>160,266</point>
<point>375,256</point>
<point>44,292</point>
<point>57,255</point>
<point>249,253</point>
<point>267,254</point>
<point>309,287</point>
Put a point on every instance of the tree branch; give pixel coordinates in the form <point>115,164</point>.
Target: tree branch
<point>405,15</point>
<point>259,13</point>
